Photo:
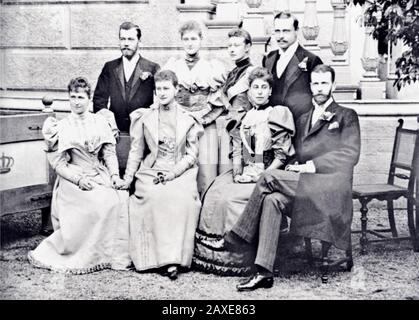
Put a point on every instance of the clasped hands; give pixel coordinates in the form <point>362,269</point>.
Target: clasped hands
<point>301,168</point>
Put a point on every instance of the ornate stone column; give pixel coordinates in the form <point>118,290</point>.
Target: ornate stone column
<point>253,22</point>
<point>281,5</point>
<point>394,52</point>
<point>339,42</point>
<point>311,27</point>
<point>370,84</point>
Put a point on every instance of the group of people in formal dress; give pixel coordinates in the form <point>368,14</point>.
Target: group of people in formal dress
<point>292,150</point>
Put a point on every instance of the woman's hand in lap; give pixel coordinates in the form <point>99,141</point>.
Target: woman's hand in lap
<point>86,184</point>
<point>169,176</point>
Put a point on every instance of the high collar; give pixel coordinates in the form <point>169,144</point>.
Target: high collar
<point>292,48</point>
<point>134,59</point>
<point>192,59</point>
<point>243,62</point>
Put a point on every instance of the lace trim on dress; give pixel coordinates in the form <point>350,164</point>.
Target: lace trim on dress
<point>95,268</point>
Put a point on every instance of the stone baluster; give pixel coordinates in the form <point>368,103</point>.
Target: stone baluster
<point>281,5</point>
<point>311,27</point>
<point>339,43</point>
<point>395,51</point>
<point>253,22</point>
<point>370,84</point>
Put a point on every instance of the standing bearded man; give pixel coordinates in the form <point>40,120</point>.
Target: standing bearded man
<point>126,81</point>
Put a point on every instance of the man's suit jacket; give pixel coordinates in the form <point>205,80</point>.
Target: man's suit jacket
<point>292,89</point>
<point>111,84</point>
<point>323,203</point>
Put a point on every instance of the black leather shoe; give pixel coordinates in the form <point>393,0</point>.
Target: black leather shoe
<point>216,245</point>
<point>257,281</point>
<point>46,232</point>
<point>172,273</point>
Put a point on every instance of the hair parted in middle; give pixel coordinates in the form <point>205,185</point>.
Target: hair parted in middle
<point>166,75</point>
<point>190,25</point>
<point>287,15</point>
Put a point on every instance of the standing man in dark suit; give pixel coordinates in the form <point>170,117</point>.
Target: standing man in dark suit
<point>290,66</point>
<point>316,191</point>
<point>127,81</point>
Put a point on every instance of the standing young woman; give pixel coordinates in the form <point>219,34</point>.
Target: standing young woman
<point>200,82</point>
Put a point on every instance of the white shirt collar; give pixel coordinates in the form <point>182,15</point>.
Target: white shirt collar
<point>129,65</point>
<point>291,49</point>
<point>133,60</point>
<point>324,105</point>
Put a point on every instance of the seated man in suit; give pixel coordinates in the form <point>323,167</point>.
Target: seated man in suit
<point>290,66</point>
<point>316,191</point>
<point>126,81</point>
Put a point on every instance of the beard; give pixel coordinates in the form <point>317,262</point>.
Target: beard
<point>127,53</point>
<point>321,98</point>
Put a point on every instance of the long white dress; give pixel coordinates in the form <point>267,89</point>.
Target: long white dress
<point>90,227</point>
<point>163,217</point>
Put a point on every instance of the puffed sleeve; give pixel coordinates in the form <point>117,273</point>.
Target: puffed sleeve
<point>136,152</point>
<point>190,156</point>
<point>50,133</point>
<point>58,160</point>
<point>110,120</point>
<point>282,128</point>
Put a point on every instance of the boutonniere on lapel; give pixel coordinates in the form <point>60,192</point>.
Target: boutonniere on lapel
<point>145,75</point>
<point>303,64</point>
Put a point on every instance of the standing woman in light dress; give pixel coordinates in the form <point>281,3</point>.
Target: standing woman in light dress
<point>89,213</point>
<point>200,82</point>
<point>164,208</point>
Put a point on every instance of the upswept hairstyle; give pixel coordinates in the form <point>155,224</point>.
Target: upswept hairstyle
<point>128,26</point>
<point>242,34</point>
<point>166,75</point>
<point>80,84</point>
<point>190,25</point>
<point>261,73</point>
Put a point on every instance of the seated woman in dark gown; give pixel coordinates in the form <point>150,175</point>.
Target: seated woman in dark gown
<point>261,140</point>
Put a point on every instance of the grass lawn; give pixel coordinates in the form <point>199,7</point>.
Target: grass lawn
<point>388,271</point>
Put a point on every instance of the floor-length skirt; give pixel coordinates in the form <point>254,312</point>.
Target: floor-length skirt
<point>163,219</point>
<point>208,157</point>
<point>223,203</point>
<point>90,230</point>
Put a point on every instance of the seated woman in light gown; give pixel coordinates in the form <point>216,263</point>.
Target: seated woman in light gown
<point>261,141</point>
<point>89,213</point>
<point>200,90</point>
<point>164,208</point>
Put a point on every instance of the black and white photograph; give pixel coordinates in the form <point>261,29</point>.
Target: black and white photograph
<point>231,152</point>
